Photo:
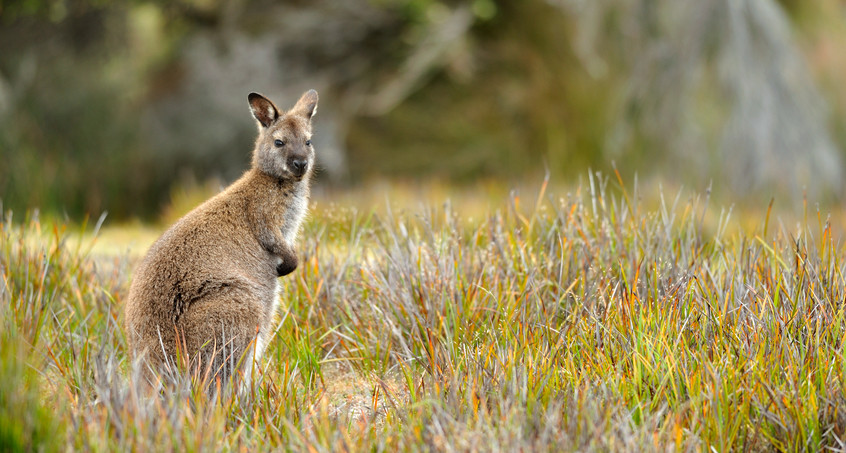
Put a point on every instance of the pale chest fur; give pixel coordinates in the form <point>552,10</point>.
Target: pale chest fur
<point>292,220</point>
<point>294,215</point>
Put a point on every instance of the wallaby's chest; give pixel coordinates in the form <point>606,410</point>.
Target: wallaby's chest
<point>294,215</point>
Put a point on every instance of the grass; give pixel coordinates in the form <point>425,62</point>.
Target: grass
<point>591,321</point>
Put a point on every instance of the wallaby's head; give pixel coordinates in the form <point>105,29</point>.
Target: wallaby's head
<point>283,148</point>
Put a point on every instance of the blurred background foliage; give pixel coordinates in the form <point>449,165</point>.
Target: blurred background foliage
<point>112,105</point>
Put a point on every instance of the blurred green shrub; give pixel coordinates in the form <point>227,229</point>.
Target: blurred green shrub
<point>72,145</point>
<point>518,102</point>
<point>527,86</point>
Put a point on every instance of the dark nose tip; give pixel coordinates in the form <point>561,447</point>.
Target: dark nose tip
<point>299,166</point>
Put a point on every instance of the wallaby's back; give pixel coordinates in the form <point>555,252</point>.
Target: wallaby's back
<point>206,291</point>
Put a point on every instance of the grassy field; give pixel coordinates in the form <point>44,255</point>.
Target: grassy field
<point>589,320</point>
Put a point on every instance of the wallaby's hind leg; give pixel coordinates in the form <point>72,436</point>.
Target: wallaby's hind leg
<point>218,336</point>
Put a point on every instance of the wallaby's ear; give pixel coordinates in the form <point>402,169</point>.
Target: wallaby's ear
<point>264,110</point>
<point>307,105</point>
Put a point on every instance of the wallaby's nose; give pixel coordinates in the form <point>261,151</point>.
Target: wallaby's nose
<point>299,166</point>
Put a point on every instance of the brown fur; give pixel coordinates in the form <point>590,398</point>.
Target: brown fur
<point>207,288</point>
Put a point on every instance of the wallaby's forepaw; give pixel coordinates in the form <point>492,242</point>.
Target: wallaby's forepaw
<point>286,264</point>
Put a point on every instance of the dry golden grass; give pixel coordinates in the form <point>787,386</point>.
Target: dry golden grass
<point>608,318</point>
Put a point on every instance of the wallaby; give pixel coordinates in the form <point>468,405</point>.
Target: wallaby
<point>207,289</point>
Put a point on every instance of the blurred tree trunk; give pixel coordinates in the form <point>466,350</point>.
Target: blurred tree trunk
<point>697,69</point>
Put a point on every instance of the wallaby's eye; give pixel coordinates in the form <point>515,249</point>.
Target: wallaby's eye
<point>279,143</point>
<point>308,142</point>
